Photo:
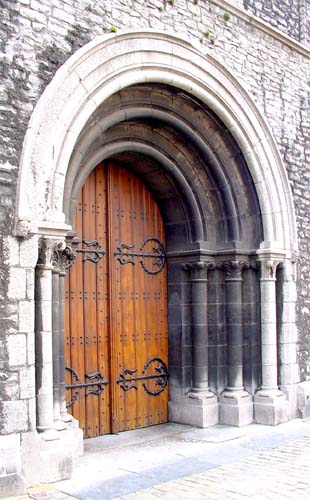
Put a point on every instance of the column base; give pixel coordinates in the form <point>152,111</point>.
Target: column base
<point>48,434</point>
<point>270,407</point>
<point>236,408</point>
<point>198,409</point>
<point>50,461</point>
<point>303,399</point>
<point>66,417</point>
<point>59,425</point>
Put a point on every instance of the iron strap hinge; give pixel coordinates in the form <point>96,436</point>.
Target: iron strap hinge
<point>160,377</point>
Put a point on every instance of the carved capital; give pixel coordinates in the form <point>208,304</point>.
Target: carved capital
<point>199,270</point>
<point>63,257</point>
<point>268,269</point>
<point>46,252</point>
<point>55,255</point>
<point>234,268</point>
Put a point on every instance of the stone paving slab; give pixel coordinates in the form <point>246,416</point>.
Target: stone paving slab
<point>280,473</point>
<point>43,492</point>
<point>225,464</point>
<point>134,461</point>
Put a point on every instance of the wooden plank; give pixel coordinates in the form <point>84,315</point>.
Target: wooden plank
<point>128,319</point>
<point>88,303</point>
<point>77,323</point>
<point>103,339</point>
<point>152,348</point>
<point>140,328</point>
<point>117,398</point>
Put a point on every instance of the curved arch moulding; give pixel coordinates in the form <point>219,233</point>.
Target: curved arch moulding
<point>113,62</point>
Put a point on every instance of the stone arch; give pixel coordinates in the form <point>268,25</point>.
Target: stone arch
<point>216,156</point>
<point>112,62</point>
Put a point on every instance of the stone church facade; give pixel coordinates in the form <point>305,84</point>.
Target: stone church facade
<point>202,105</point>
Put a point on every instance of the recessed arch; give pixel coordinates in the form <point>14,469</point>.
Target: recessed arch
<point>112,62</point>
<point>123,146</point>
<point>174,127</point>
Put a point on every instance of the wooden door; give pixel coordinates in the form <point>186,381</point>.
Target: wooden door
<point>116,307</point>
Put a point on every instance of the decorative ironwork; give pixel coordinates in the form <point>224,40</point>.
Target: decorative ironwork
<point>95,386</point>
<point>96,253</point>
<point>151,255</point>
<point>160,377</point>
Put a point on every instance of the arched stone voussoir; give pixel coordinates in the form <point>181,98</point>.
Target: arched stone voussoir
<point>112,62</point>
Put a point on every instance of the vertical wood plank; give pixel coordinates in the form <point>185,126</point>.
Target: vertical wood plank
<point>103,324</point>
<point>117,405</point>
<point>140,327</point>
<point>77,323</point>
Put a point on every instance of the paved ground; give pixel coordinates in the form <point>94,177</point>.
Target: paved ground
<point>180,462</point>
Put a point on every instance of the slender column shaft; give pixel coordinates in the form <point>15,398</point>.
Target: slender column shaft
<point>271,406</point>
<point>43,341</point>
<point>199,327</point>
<point>269,325</point>
<point>44,370</point>
<point>65,258</point>
<point>233,287</point>
<point>62,385</point>
<point>55,324</point>
<point>236,406</point>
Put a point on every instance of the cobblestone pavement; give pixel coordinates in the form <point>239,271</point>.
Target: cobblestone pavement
<point>282,472</point>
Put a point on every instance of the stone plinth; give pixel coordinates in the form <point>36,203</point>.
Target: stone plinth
<point>270,407</point>
<point>198,409</point>
<point>236,408</point>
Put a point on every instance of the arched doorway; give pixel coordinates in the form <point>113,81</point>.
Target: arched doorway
<point>116,338</point>
<point>201,146</point>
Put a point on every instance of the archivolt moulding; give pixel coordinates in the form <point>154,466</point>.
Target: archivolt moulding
<point>112,62</point>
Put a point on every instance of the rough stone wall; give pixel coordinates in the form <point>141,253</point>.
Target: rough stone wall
<point>37,37</point>
<point>289,16</point>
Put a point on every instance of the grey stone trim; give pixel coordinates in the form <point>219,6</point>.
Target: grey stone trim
<point>233,290</point>
<point>63,258</point>
<point>54,258</point>
<point>234,9</point>
<point>199,325</point>
<point>271,406</point>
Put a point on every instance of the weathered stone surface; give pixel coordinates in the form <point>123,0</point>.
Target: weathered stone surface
<point>11,481</point>
<point>17,283</point>
<point>26,316</point>
<point>37,38</point>
<point>16,345</point>
<point>285,15</point>
<point>14,416</point>
<point>27,382</point>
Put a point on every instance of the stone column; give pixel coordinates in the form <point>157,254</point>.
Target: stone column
<point>270,405</point>
<point>67,259</point>
<point>63,257</point>
<point>58,423</point>
<point>200,385</point>
<point>205,404</point>
<point>236,407</point>
<point>43,341</point>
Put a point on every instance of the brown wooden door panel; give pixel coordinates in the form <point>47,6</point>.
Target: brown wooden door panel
<point>116,311</point>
